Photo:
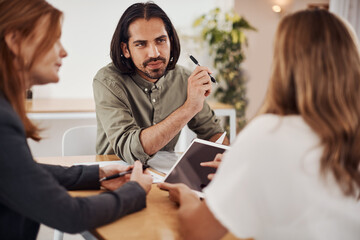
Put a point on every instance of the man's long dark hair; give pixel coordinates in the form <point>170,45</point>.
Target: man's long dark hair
<point>136,11</point>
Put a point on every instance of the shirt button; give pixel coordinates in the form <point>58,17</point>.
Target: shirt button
<point>154,100</point>
<point>146,89</point>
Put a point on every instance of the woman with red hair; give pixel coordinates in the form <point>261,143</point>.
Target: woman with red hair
<point>30,193</point>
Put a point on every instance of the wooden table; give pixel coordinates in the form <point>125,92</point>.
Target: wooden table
<point>58,105</point>
<point>157,221</point>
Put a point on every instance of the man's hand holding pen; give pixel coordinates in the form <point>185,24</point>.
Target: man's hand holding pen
<point>199,87</point>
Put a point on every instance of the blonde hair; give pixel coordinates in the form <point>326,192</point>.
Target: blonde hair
<point>23,16</point>
<point>316,74</point>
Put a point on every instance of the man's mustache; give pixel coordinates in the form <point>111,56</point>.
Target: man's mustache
<point>154,60</point>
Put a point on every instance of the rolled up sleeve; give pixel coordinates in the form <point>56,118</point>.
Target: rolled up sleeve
<point>205,124</point>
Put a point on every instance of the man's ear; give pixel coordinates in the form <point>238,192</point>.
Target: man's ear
<point>12,41</point>
<point>125,50</point>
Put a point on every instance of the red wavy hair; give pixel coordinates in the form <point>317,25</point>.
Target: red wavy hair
<point>22,16</point>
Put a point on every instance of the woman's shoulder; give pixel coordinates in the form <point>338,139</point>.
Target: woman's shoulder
<point>275,131</point>
<point>266,123</point>
<point>270,119</point>
<point>9,118</point>
<point>6,110</point>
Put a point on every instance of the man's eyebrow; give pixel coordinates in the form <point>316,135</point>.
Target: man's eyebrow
<point>144,41</point>
<point>162,36</point>
<point>139,41</point>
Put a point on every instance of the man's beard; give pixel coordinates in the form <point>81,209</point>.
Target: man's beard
<point>155,73</point>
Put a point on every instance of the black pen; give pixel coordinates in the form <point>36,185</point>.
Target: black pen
<point>197,63</point>
<point>121,174</point>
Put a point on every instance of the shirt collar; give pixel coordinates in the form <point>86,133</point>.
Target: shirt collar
<point>145,85</point>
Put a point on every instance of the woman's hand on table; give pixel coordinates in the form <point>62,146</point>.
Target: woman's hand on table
<point>178,192</point>
<point>112,169</point>
<point>144,178</point>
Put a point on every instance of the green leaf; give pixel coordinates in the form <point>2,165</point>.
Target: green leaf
<point>242,37</point>
<point>235,36</point>
<point>199,21</point>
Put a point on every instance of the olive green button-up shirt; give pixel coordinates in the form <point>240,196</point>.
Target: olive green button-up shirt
<point>126,104</point>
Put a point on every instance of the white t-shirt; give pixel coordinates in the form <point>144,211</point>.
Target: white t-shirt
<point>269,186</point>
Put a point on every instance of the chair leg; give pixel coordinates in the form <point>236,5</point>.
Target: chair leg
<point>88,236</point>
<point>58,235</point>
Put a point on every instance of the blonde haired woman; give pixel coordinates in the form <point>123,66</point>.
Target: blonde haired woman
<point>293,172</point>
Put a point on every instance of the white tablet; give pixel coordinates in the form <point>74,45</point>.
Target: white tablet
<point>187,169</point>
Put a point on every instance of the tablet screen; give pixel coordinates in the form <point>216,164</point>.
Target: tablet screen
<point>188,170</point>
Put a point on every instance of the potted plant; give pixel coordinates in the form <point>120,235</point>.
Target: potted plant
<point>225,37</point>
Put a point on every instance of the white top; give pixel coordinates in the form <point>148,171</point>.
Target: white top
<point>269,186</point>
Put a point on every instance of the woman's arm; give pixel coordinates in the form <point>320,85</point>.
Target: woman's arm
<point>75,177</point>
<point>84,177</point>
<point>31,191</point>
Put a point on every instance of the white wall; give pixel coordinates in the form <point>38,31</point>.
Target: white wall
<point>349,10</point>
<point>259,52</point>
<point>87,31</point>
